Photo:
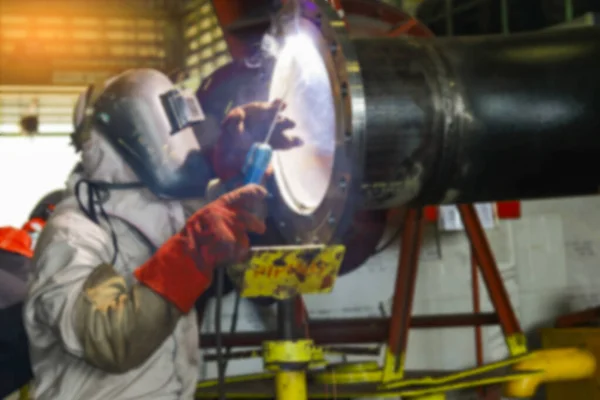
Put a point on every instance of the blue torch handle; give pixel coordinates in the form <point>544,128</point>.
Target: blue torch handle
<point>257,162</point>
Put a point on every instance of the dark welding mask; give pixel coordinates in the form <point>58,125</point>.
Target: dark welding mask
<point>151,124</point>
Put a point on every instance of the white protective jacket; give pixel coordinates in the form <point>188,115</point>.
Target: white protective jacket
<point>69,251</point>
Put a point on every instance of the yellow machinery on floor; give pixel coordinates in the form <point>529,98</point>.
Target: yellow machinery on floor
<point>362,77</point>
<point>579,329</point>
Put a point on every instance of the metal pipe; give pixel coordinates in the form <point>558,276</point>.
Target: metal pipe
<point>352,331</point>
<point>417,322</point>
<point>505,17</point>
<point>467,120</point>
<point>476,308</point>
<point>449,18</point>
<point>569,10</point>
<point>578,319</point>
<point>285,320</point>
<point>290,377</point>
<point>344,350</point>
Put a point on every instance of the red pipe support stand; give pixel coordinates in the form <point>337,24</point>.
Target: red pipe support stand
<point>406,280</point>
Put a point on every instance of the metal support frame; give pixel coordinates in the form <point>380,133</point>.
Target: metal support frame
<point>354,330</point>
<point>587,317</point>
<point>288,348</point>
<point>483,259</point>
<point>289,356</point>
<point>515,339</point>
<point>406,280</point>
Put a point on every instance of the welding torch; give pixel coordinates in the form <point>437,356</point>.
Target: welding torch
<point>260,154</point>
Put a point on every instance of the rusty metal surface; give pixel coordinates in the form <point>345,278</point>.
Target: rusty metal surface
<point>406,280</point>
<point>489,270</point>
<point>283,272</point>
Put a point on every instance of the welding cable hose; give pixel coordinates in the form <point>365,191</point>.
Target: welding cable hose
<point>219,335</point>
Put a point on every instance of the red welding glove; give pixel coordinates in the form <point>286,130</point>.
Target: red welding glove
<point>215,236</point>
<point>243,127</point>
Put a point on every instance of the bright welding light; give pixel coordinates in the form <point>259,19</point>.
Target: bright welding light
<point>301,78</point>
<point>300,47</point>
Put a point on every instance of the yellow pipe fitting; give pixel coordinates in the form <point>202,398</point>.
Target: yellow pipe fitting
<point>553,365</point>
<point>368,366</point>
<point>352,373</point>
<point>287,351</point>
<point>389,367</point>
<point>290,385</point>
<point>517,344</point>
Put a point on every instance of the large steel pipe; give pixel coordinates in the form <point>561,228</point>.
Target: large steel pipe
<point>393,121</point>
<point>467,120</point>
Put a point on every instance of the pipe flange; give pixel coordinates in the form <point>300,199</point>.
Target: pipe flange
<point>328,220</point>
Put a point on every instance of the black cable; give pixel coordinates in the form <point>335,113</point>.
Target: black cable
<point>232,327</point>
<point>95,195</point>
<point>389,242</point>
<point>218,334</point>
<point>393,238</point>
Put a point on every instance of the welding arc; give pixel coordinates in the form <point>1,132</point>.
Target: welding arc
<point>284,95</point>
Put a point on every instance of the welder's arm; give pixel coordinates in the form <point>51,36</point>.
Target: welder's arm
<point>81,298</point>
<point>120,327</point>
<point>115,327</point>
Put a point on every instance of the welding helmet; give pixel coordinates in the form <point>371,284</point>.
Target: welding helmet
<point>151,125</point>
<point>40,214</point>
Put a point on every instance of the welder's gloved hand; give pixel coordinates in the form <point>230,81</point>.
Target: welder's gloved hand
<point>215,236</point>
<point>243,127</point>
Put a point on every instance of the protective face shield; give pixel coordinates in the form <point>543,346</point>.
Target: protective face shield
<point>151,125</point>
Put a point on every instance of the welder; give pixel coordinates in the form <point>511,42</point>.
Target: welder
<point>16,250</point>
<point>121,262</point>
